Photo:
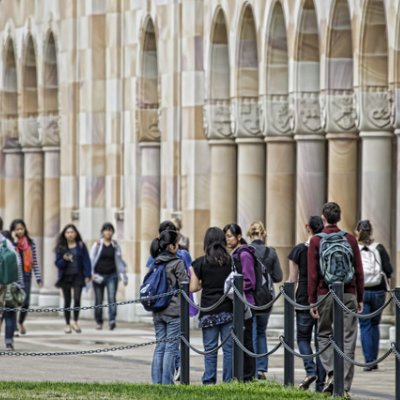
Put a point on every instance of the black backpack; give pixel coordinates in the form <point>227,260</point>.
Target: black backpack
<point>264,291</point>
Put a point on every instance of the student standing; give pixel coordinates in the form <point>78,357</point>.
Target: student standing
<point>74,271</point>
<point>26,248</point>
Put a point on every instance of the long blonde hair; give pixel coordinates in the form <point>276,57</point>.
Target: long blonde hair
<point>256,230</point>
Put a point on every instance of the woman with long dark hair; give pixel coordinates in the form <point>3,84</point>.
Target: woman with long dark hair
<point>74,271</point>
<point>209,273</point>
<point>26,248</point>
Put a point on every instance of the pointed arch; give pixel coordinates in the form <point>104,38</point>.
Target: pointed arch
<point>50,81</point>
<point>29,80</point>
<point>374,45</point>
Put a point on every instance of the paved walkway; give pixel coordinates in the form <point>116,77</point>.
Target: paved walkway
<point>45,333</point>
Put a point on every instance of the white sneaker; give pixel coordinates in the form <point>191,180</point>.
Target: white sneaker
<point>177,375</point>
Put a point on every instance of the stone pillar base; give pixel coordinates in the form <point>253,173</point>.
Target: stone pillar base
<point>48,298</point>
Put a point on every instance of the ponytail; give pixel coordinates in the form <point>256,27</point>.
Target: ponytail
<point>161,243</point>
<point>364,230</point>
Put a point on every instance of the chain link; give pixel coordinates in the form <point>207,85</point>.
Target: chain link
<point>250,353</point>
<point>252,306</point>
<point>204,353</point>
<point>302,356</point>
<point>298,306</point>
<point>117,303</point>
<point>204,309</point>
<point>394,297</point>
<point>395,351</point>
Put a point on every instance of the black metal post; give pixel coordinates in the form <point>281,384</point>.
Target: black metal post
<point>338,337</point>
<point>238,329</point>
<point>397,294</point>
<point>185,332</point>
<point>288,371</point>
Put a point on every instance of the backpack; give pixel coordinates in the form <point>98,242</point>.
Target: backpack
<point>372,264</point>
<point>154,283</point>
<point>335,257</point>
<point>8,265</point>
<point>264,291</point>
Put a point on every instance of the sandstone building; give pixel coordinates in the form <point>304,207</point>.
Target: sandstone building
<point>131,111</point>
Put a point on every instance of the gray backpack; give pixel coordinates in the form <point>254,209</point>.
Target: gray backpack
<point>336,258</point>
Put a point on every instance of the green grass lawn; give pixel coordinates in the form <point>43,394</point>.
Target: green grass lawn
<point>120,391</point>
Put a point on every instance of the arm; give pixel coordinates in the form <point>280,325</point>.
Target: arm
<point>36,269</point>
<point>121,265</point>
<point>293,272</point>
<point>276,270</point>
<point>93,252</point>
<point>87,265</point>
<point>358,269</point>
<point>195,283</point>
<point>386,264</point>
<point>312,270</point>
<point>249,276</point>
<point>180,272</point>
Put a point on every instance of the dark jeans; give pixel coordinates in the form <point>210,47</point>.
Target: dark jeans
<point>110,283</point>
<point>76,287</point>
<point>10,318</point>
<point>27,288</point>
<point>305,324</point>
<point>260,322</point>
<point>249,368</point>
<point>369,328</point>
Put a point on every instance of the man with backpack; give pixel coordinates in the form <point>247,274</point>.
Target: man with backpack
<point>334,256</point>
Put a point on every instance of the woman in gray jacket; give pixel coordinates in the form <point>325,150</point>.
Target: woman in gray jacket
<point>167,322</point>
<point>107,268</point>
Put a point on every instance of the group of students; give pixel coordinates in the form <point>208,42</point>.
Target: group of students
<point>103,268</point>
<point>226,250</point>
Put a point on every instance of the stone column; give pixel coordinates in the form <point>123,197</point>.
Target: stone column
<point>223,182</point>
<point>49,295</point>
<point>250,181</point>
<point>311,160</point>
<point>149,198</point>
<point>13,185</point>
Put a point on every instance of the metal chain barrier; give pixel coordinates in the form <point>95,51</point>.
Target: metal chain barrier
<point>252,306</point>
<point>86,352</point>
<point>359,364</point>
<point>394,351</point>
<point>298,306</point>
<point>357,315</point>
<point>117,303</point>
<point>302,356</point>
<point>205,309</point>
<point>250,353</point>
<point>204,353</point>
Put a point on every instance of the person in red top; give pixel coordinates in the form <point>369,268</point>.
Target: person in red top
<point>353,297</point>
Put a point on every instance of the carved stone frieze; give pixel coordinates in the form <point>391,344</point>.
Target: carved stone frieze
<point>49,132</point>
<point>29,132</point>
<point>148,124</point>
<point>277,115</point>
<point>10,133</point>
<point>394,104</point>
<point>373,109</point>
<point>217,119</point>
<point>246,117</point>
<point>306,113</point>
<point>338,112</point>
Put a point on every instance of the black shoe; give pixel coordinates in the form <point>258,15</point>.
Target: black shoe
<point>177,375</point>
<point>262,376</point>
<point>368,369</point>
<point>308,380</point>
<point>113,325</point>
<point>328,388</point>
<point>9,347</point>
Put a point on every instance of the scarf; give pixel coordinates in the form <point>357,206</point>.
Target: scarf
<point>25,250</point>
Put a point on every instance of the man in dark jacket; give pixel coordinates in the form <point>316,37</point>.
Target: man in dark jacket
<point>353,295</point>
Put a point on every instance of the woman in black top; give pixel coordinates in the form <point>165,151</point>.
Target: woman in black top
<point>209,273</point>
<point>304,321</point>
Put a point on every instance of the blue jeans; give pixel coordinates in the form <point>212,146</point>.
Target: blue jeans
<point>111,283</point>
<point>260,322</point>
<point>163,365</point>
<point>305,324</point>
<point>10,318</point>
<point>369,328</point>
<point>210,341</point>
<point>27,288</point>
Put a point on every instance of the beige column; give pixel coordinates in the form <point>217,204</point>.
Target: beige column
<point>49,295</point>
<point>343,176</point>
<point>311,180</point>
<point>223,182</point>
<point>13,185</point>
<point>376,183</point>
<point>149,199</point>
<point>280,215</point>
<point>396,259</point>
<point>250,181</point>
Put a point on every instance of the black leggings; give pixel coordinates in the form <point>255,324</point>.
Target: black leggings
<point>67,292</point>
<point>249,367</point>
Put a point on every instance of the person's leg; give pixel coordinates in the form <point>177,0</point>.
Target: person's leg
<point>366,328</point>
<point>321,374</point>
<point>67,303</point>
<point>112,286</point>
<point>324,332</point>
<point>11,322</point>
<point>27,289</point>
<point>160,330</point>
<point>98,300</point>
<point>378,301</point>
<point>350,338</point>
<point>210,341</point>
<point>77,300</point>
<point>249,362</point>
<point>260,322</point>
<point>173,330</point>
<point>225,331</point>
<point>305,323</point>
